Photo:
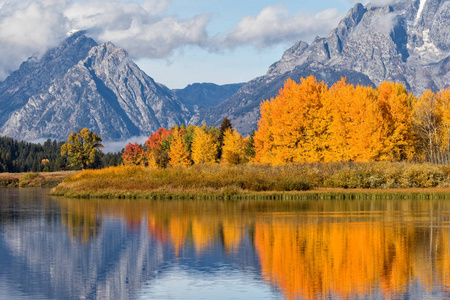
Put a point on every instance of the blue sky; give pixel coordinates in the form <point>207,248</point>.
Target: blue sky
<point>177,42</point>
<point>241,64</point>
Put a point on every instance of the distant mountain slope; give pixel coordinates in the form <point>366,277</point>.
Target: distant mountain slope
<point>408,42</point>
<point>205,95</point>
<point>243,107</point>
<point>81,85</point>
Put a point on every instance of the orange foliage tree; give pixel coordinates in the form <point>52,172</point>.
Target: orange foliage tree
<point>393,137</point>
<point>155,139</point>
<point>133,155</point>
<point>293,126</point>
<point>348,127</point>
<point>155,154</point>
<point>308,122</point>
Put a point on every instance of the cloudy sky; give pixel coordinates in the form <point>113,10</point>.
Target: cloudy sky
<point>176,42</point>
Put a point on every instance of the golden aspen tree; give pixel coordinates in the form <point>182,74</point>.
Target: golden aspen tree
<point>233,150</point>
<point>150,157</point>
<point>393,138</point>
<point>363,123</point>
<point>344,107</point>
<point>178,154</point>
<point>431,120</point>
<point>427,119</point>
<point>351,127</point>
<point>341,127</point>
<point>444,101</point>
<point>293,126</point>
<point>204,147</point>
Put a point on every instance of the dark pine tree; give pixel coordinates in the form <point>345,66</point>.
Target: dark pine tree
<point>250,147</point>
<point>223,127</point>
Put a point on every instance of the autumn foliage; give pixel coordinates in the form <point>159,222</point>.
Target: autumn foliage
<point>178,154</point>
<point>187,145</point>
<point>133,154</point>
<point>204,146</point>
<point>310,122</point>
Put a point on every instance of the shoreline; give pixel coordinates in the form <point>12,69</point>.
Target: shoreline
<point>300,181</point>
<point>34,179</point>
<point>315,194</point>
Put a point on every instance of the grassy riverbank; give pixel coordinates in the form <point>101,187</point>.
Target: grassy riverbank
<point>139,182</point>
<point>34,180</point>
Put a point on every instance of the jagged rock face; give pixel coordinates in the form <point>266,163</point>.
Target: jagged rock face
<point>35,76</point>
<point>408,42</point>
<point>99,88</point>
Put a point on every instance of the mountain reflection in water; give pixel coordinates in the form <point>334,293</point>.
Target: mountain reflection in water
<point>300,249</point>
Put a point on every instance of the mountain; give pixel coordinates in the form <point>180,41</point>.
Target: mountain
<point>82,84</point>
<point>204,95</point>
<point>407,42</point>
<point>34,76</point>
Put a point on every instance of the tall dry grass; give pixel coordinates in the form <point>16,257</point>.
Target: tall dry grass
<point>136,181</point>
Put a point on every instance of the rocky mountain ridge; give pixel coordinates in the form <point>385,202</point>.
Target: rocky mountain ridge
<point>407,42</point>
<point>82,84</point>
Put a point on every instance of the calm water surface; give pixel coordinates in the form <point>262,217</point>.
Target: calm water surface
<point>53,248</point>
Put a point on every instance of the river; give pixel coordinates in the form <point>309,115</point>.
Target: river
<point>56,248</point>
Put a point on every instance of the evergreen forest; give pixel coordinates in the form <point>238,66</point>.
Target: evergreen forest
<point>20,156</point>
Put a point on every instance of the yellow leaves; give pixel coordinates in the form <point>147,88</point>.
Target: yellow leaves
<point>178,154</point>
<point>308,122</point>
<point>393,123</point>
<point>233,148</point>
<point>431,120</point>
<point>204,147</point>
<point>82,147</point>
<point>349,130</point>
<point>292,127</point>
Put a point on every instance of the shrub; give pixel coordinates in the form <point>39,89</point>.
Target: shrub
<point>28,179</point>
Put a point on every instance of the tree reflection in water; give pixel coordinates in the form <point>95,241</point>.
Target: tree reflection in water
<point>338,249</point>
<point>306,249</point>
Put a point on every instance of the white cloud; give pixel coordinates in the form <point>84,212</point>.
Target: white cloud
<point>27,28</point>
<point>384,23</point>
<point>31,27</point>
<point>138,27</point>
<point>274,25</point>
<point>387,2</point>
<point>118,146</point>
<point>380,3</point>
